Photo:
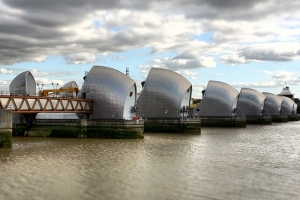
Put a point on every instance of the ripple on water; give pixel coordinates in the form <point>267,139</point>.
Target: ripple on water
<point>257,162</point>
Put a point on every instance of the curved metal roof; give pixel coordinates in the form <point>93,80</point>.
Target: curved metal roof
<point>71,84</point>
<point>24,84</point>
<point>219,100</point>
<point>287,106</point>
<point>250,102</point>
<point>272,104</point>
<point>113,93</point>
<point>164,93</point>
<point>295,109</point>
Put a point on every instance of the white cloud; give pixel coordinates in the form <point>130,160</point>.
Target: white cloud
<point>5,71</point>
<point>80,58</point>
<point>232,59</point>
<point>48,83</point>
<point>190,73</point>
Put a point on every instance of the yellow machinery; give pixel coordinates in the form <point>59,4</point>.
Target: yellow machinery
<point>45,93</point>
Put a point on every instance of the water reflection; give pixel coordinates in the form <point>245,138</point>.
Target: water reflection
<point>259,162</point>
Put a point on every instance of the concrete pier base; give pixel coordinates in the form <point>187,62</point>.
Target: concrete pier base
<point>280,118</point>
<point>188,126</point>
<point>57,128</point>
<point>237,121</point>
<point>115,129</point>
<point>259,120</point>
<point>5,128</point>
<point>293,117</point>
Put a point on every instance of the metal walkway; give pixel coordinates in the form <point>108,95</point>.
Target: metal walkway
<point>35,104</point>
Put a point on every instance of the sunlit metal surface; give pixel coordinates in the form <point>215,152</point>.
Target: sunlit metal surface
<point>24,85</point>
<point>113,93</point>
<point>219,100</point>
<point>272,104</point>
<point>250,102</point>
<point>163,94</point>
<point>288,106</point>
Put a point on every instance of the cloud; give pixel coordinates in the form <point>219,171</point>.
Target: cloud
<point>80,58</point>
<point>277,52</point>
<point>3,82</point>
<point>5,71</point>
<point>48,82</point>
<point>190,73</point>
<point>233,59</point>
<point>277,79</point>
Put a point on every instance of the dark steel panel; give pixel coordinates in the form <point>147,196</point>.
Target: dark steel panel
<point>108,88</point>
<point>219,100</point>
<point>163,94</point>
<point>250,102</point>
<point>272,104</point>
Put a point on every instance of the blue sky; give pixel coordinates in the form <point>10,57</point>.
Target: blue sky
<point>250,44</point>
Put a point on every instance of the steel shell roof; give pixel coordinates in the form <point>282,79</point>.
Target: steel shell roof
<point>163,95</point>
<point>250,102</point>
<point>219,100</point>
<point>113,93</point>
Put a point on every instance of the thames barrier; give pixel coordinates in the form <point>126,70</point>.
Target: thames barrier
<point>109,106</point>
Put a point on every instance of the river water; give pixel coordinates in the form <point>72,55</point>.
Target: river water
<point>257,162</point>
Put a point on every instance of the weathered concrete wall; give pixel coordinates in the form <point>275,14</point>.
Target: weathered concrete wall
<point>259,119</point>
<point>238,121</point>
<point>191,126</point>
<point>58,128</point>
<point>5,128</point>
<point>115,129</point>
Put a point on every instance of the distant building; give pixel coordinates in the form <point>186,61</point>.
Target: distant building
<point>286,92</point>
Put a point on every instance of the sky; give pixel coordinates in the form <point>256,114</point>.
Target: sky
<point>253,44</point>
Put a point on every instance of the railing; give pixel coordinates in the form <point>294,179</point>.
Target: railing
<point>35,104</point>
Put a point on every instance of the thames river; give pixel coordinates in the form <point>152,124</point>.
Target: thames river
<point>257,162</point>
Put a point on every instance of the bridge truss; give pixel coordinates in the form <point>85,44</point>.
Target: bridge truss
<point>35,104</point>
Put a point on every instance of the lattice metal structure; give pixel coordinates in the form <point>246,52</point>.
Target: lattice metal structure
<point>113,93</point>
<point>35,104</point>
<point>164,93</point>
<point>23,85</point>
<point>250,102</point>
<point>219,100</point>
<point>289,107</point>
<point>273,104</point>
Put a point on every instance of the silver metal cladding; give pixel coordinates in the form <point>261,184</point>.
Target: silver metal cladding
<point>23,85</point>
<point>219,100</point>
<point>164,93</point>
<point>250,102</point>
<point>112,92</point>
<point>273,104</point>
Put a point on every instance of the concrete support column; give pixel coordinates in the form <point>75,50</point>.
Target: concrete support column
<point>83,127</point>
<point>5,128</point>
